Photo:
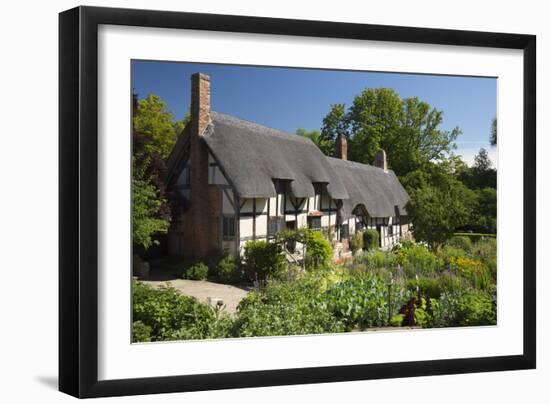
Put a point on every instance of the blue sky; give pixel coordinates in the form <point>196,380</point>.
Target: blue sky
<point>290,98</point>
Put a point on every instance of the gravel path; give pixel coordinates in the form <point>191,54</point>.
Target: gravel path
<point>206,292</point>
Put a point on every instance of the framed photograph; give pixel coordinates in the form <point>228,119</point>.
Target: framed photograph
<point>251,201</point>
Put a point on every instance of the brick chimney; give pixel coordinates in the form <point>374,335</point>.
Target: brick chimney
<point>342,147</point>
<point>202,219</point>
<point>200,102</point>
<point>380,160</point>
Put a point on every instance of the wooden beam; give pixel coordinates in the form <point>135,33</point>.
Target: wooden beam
<point>228,198</point>
<point>267,219</point>
<point>254,218</point>
<point>237,224</point>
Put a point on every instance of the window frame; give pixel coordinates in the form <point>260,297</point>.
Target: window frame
<point>227,220</point>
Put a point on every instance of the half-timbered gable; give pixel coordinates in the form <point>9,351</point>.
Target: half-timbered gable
<point>247,182</point>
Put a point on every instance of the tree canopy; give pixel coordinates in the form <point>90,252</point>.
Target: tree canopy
<point>153,136</point>
<point>445,194</point>
<point>407,129</point>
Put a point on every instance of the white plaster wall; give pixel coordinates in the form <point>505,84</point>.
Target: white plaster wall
<point>227,207</point>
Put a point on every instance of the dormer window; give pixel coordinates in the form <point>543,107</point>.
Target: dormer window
<point>279,186</point>
<point>318,187</point>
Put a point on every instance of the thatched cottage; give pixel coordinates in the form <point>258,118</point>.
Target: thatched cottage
<point>236,181</point>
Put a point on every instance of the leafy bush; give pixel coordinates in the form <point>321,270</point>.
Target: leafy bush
<point>141,332</point>
<point>449,252</point>
<point>362,301</point>
<point>433,286</point>
<point>371,239</point>
<point>228,270</point>
<point>263,260</point>
<point>197,271</point>
<point>397,320</point>
<point>295,308</point>
<point>376,259</point>
<point>485,249</point>
<point>356,242</point>
<point>418,259</point>
<point>475,237</point>
<point>444,314</point>
<point>423,312</point>
<point>164,314</point>
<point>465,308</point>
<point>476,307</point>
<point>479,276</point>
<point>318,249</point>
<point>460,242</point>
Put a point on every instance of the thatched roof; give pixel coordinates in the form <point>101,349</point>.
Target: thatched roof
<point>252,155</point>
<point>377,190</point>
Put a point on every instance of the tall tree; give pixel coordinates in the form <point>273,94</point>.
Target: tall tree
<point>493,137</point>
<point>482,162</point>
<point>334,123</point>
<point>157,124</point>
<point>407,129</point>
<point>153,135</point>
<point>316,138</point>
<point>439,206</point>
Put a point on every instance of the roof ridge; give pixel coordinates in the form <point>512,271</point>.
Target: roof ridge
<point>357,163</point>
<point>291,136</point>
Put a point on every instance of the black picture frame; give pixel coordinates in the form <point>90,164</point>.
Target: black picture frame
<point>78,203</point>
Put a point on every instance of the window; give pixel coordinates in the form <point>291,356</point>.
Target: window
<point>228,227</point>
<point>272,226</point>
<point>314,222</point>
<point>360,225</point>
<point>279,186</point>
<point>344,231</point>
<point>390,229</point>
<point>318,187</point>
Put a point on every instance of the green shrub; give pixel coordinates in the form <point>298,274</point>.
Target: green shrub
<point>164,314</point>
<point>179,267</point>
<point>448,252</point>
<point>475,237</point>
<point>418,259</point>
<point>228,270</point>
<point>295,308</point>
<point>423,313</point>
<point>476,307</point>
<point>141,332</point>
<point>474,271</point>
<point>465,308</point>
<point>376,259</point>
<point>433,286</point>
<point>444,314</point>
<point>318,249</point>
<point>362,301</point>
<point>371,239</point>
<point>397,320</point>
<point>460,242</point>
<point>197,271</point>
<point>263,260</point>
<point>356,242</point>
<point>485,249</point>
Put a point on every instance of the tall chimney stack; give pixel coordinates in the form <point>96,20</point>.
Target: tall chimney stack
<point>342,147</point>
<point>200,103</point>
<point>380,160</point>
<point>201,224</point>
